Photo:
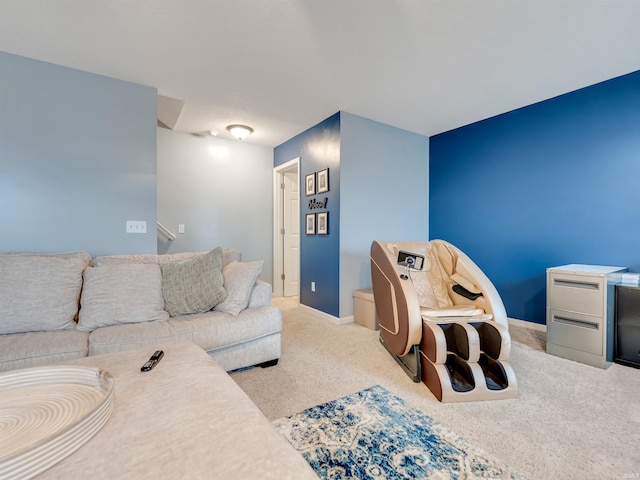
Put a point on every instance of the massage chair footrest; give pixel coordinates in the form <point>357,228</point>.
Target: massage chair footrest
<point>458,380</point>
<point>466,338</point>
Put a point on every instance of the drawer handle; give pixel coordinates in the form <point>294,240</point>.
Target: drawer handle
<point>575,284</point>
<point>576,323</point>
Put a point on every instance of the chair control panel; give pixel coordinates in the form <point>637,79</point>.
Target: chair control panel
<point>410,260</point>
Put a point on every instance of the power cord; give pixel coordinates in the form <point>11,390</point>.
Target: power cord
<point>409,262</point>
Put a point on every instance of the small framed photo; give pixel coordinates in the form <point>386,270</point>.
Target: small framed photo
<point>310,224</point>
<point>323,223</point>
<point>323,180</point>
<point>310,184</point>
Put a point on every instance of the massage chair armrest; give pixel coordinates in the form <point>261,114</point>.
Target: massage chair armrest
<point>490,300</point>
<point>396,302</point>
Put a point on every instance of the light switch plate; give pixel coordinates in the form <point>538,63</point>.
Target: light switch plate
<point>136,226</point>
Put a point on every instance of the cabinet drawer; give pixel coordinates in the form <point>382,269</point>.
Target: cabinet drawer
<point>628,305</point>
<point>582,293</point>
<point>575,330</point>
<point>628,344</point>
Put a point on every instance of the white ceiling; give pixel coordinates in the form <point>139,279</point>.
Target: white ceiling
<point>282,66</point>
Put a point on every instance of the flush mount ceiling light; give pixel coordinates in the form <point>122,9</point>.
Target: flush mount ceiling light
<point>240,131</point>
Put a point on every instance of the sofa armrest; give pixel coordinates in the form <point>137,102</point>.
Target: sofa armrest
<point>260,295</point>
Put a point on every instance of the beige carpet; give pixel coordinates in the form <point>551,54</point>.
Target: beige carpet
<point>570,421</point>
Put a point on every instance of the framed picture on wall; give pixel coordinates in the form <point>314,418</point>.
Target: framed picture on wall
<point>323,180</point>
<point>310,184</point>
<point>310,224</point>
<point>323,223</point>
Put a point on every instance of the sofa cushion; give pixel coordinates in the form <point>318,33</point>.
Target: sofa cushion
<point>32,349</point>
<point>194,285</point>
<point>239,279</point>
<point>260,294</point>
<point>40,292</point>
<point>210,330</point>
<point>117,294</point>
<point>228,256</point>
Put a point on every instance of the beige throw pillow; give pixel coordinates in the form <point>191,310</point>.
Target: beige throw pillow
<point>117,294</point>
<point>239,279</point>
<point>194,285</point>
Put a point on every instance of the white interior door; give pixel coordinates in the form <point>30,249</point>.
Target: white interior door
<point>291,236</point>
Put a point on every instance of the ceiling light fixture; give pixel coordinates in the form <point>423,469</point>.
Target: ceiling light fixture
<point>240,131</point>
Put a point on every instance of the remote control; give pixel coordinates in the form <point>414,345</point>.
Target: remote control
<point>153,360</point>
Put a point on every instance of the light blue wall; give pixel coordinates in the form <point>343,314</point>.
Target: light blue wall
<point>77,160</point>
<point>384,179</point>
<point>554,183</point>
<point>221,191</point>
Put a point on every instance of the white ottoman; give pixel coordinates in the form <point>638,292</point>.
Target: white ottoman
<point>186,418</point>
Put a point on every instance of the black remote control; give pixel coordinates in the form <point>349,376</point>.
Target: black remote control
<point>155,358</point>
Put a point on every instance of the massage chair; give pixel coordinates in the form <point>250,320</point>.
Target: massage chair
<point>443,320</point>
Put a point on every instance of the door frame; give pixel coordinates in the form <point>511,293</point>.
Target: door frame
<point>278,223</point>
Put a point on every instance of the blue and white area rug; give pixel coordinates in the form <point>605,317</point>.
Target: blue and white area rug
<point>373,434</point>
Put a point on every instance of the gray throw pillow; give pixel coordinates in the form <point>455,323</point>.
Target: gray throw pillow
<point>194,285</point>
<point>239,279</point>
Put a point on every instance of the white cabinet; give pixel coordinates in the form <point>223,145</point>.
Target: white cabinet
<point>580,312</point>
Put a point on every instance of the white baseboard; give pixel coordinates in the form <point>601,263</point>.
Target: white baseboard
<point>525,324</point>
<point>350,319</point>
<point>327,316</point>
<point>343,320</point>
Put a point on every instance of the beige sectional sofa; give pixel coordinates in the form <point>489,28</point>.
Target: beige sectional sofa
<point>112,313</point>
<point>59,307</point>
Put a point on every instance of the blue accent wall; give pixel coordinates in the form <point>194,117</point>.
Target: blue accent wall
<point>77,160</point>
<point>318,148</point>
<point>553,183</point>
